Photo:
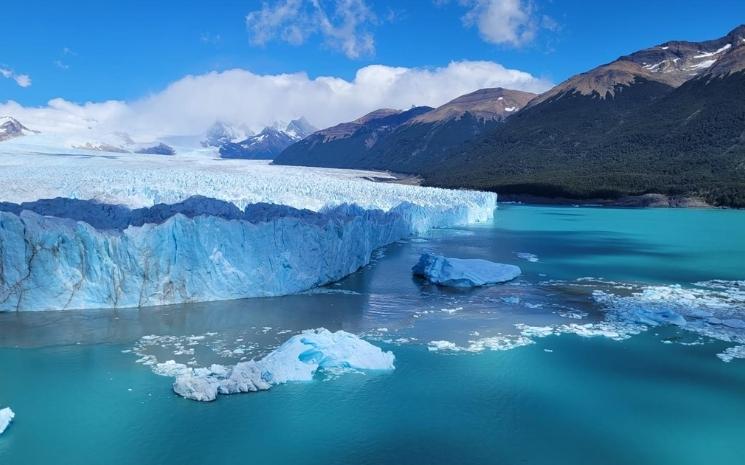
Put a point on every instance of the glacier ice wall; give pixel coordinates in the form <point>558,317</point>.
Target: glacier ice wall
<point>134,230</point>
<point>64,254</point>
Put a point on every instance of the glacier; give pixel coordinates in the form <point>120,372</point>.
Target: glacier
<point>298,359</point>
<point>118,231</point>
<point>459,272</point>
<point>6,416</point>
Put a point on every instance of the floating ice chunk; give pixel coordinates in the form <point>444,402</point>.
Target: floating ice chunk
<point>535,331</point>
<point>170,368</point>
<point>732,353</point>
<point>298,359</point>
<point>654,317</point>
<point>498,343</point>
<point>6,416</point>
<point>435,346</point>
<point>527,256</point>
<point>458,272</point>
<point>494,343</point>
<point>611,330</point>
<point>198,388</point>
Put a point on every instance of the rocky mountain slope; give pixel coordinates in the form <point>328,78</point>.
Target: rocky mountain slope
<point>402,140</point>
<point>669,119</point>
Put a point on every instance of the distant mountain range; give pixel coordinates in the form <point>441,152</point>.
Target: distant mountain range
<point>404,140</point>
<point>11,128</point>
<point>262,146</point>
<point>669,119</point>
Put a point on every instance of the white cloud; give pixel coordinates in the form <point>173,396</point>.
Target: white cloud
<point>23,80</point>
<point>507,22</point>
<point>191,104</point>
<point>343,24</point>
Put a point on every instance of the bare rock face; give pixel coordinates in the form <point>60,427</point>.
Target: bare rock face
<point>405,140</point>
<point>493,104</point>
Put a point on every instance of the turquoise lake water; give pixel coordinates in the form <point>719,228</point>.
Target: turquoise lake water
<point>81,398</point>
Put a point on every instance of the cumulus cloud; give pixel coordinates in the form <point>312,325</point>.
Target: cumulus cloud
<point>505,22</point>
<point>242,98</point>
<point>343,24</point>
<point>23,80</point>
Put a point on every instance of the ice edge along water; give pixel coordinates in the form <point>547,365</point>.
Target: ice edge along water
<point>53,263</point>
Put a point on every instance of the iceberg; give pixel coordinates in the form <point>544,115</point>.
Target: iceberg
<point>6,416</point>
<point>459,272</point>
<point>298,359</point>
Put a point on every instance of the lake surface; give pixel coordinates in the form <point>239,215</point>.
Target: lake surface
<point>469,385</point>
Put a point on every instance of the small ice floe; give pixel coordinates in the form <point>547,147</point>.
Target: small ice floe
<point>434,346</point>
<point>463,273</point>
<point>450,311</point>
<point>527,256</point>
<point>732,353</point>
<point>499,342</point>
<point>6,416</point>
<point>298,359</point>
<point>572,314</point>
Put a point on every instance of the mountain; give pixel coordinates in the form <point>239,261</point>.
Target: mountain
<point>11,128</point>
<point>222,133</point>
<point>404,140</point>
<point>268,143</point>
<point>669,119</point>
<point>157,149</point>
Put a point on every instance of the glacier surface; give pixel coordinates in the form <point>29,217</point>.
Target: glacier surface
<point>81,230</point>
<point>459,272</point>
<point>6,416</point>
<point>298,359</point>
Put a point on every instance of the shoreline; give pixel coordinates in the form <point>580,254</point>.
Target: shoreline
<point>652,200</point>
<point>631,201</point>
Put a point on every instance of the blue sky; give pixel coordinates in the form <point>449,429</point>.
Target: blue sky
<point>97,50</point>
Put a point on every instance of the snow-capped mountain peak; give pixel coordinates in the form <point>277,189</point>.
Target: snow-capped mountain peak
<point>300,128</point>
<point>268,143</point>
<point>11,127</point>
<point>221,133</point>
